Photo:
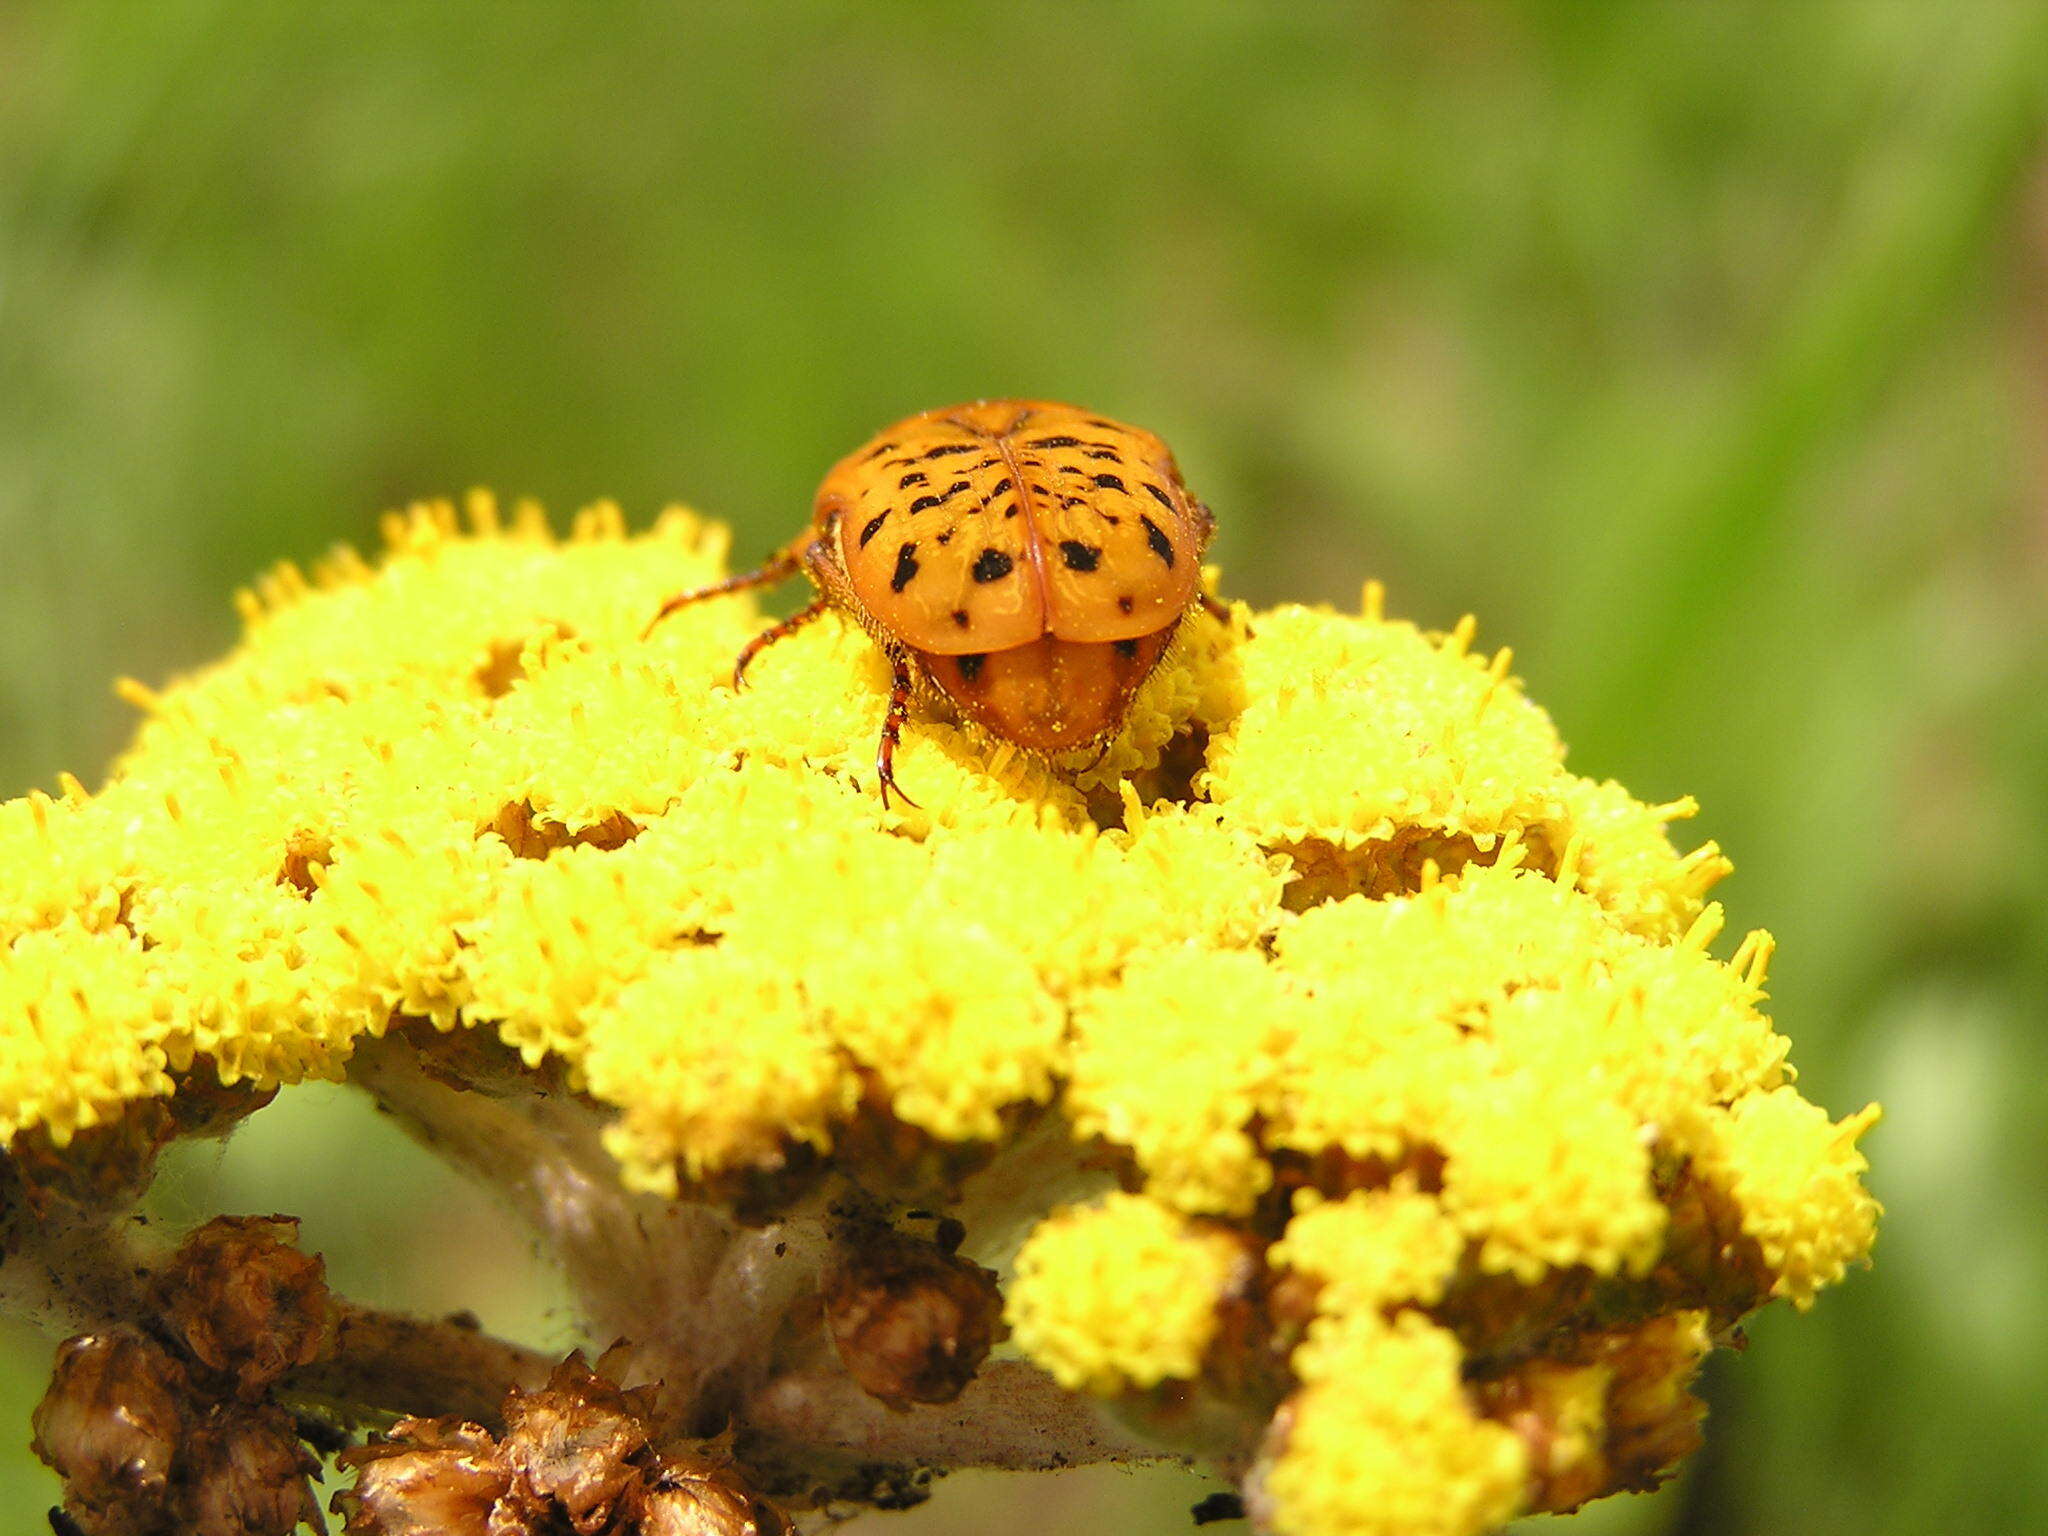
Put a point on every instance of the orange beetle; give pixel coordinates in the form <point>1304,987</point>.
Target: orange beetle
<point>1027,562</point>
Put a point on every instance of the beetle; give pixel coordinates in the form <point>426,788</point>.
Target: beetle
<point>1026,562</point>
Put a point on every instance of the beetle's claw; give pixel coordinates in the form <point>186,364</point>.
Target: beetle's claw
<point>667,608</point>
<point>889,786</point>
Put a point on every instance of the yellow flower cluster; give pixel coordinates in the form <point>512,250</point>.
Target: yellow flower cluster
<point>1330,930</point>
<point>1383,1437</point>
<point>1121,1294</point>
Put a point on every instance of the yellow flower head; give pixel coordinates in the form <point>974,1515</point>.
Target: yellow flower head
<point>1374,1248</point>
<point>1329,961</point>
<point>1383,1440</point>
<point>1120,1295</point>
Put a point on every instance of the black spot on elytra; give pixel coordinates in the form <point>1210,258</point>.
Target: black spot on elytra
<point>1125,603</point>
<point>1072,501</point>
<point>960,617</point>
<point>1109,482</point>
<point>1079,556</point>
<point>874,524</point>
<point>1002,485</point>
<point>1105,453</point>
<point>1159,496</point>
<point>915,477</point>
<point>992,565</point>
<point>1056,442</point>
<point>970,666</point>
<point>956,488</point>
<point>1156,537</point>
<point>1010,510</point>
<point>877,451</point>
<point>1128,649</point>
<point>925,501</point>
<point>906,566</point>
<point>946,536</point>
<point>946,450</point>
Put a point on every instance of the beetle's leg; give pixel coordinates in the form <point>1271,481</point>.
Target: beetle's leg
<point>892,731</point>
<point>780,566</point>
<point>769,636</point>
<point>1220,612</point>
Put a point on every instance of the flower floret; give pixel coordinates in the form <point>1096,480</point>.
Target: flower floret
<point>1796,1176</point>
<point>86,1029</point>
<point>1382,1440</point>
<point>1120,1295</point>
<point>1373,1249</point>
<point>721,1062</point>
<point>1548,1175</point>
<point>1174,1062</point>
<point>1354,727</point>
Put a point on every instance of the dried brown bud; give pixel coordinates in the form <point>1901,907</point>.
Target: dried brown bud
<point>434,1477</point>
<point>104,1167</point>
<point>1618,1414</point>
<point>911,1321</point>
<point>575,1441</point>
<point>111,1426</point>
<point>107,1166</point>
<point>574,1458</point>
<point>1653,1418</point>
<point>1559,1411</point>
<point>246,1303</point>
<point>245,1474</point>
<point>692,1498</point>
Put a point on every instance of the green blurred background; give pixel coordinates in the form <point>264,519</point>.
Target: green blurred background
<point>1701,350</point>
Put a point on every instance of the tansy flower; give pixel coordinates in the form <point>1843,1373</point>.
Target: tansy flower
<point>1326,1078</point>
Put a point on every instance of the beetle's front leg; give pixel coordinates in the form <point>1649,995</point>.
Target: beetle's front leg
<point>773,633</point>
<point>892,731</point>
<point>778,567</point>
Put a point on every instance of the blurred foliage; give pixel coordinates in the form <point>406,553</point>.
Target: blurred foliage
<point>1701,350</point>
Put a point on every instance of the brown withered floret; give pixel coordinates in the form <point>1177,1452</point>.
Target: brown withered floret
<point>911,1320</point>
<point>1653,1417</point>
<point>111,1425</point>
<point>245,1473</point>
<point>531,835</point>
<point>246,1303</point>
<point>575,1460</point>
<point>1708,1259</point>
<point>306,853</point>
<point>1246,1361</point>
<point>432,1477</point>
<point>107,1166</point>
<point>1558,1409</point>
<point>1325,871</point>
<point>701,1497</point>
<point>1615,1412</point>
<point>176,1434</point>
<point>580,1441</point>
